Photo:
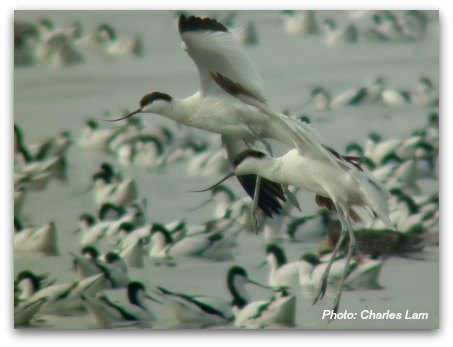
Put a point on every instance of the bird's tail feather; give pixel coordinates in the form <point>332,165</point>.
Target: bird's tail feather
<point>377,197</point>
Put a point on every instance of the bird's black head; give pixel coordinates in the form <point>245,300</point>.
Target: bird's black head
<point>92,124</point>
<point>127,227</point>
<point>250,153</point>
<point>133,288</point>
<point>354,148</point>
<point>34,279</point>
<point>278,253</point>
<point>91,251</point>
<point>112,257</point>
<point>155,102</point>
<point>88,218</point>
<point>107,168</point>
<point>235,271</point>
<point>311,258</point>
<point>109,211</point>
<point>160,228</point>
<point>330,24</point>
<point>152,97</point>
<point>105,33</point>
<point>26,274</point>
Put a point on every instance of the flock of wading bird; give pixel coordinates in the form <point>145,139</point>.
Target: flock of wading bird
<point>370,204</point>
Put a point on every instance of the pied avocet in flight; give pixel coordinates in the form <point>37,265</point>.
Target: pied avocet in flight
<point>342,187</point>
<point>230,102</point>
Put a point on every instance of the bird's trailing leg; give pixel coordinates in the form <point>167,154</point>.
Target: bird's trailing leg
<point>351,250</point>
<point>256,195</point>
<point>323,283</point>
<point>253,216</point>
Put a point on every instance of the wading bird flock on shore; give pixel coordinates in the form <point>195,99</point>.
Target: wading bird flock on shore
<point>370,204</point>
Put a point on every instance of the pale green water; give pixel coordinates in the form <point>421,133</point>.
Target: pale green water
<point>47,100</point>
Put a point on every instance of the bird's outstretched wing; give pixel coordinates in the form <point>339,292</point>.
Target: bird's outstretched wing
<point>301,135</point>
<point>215,50</point>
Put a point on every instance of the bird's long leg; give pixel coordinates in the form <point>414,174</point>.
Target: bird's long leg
<point>323,283</point>
<point>254,217</point>
<point>351,250</point>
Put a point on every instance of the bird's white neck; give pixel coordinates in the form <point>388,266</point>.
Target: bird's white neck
<point>178,110</point>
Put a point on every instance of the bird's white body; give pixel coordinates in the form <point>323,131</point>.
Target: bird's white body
<point>37,240</point>
<point>109,313</point>
<point>391,97</point>
<point>58,47</point>
<point>341,36</point>
<point>197,310</point>
<point>284,276</point>
<point>362,274</point>
<point>319,177</point>
<point>85,266</point>
<point>300,23</point>
<point>132,254</point>
<point>119,194</point>
<point>282,273</point>
<point>365,275</point>
<point>19,197</point>
<point>310,275</point>
<point>107,316</point>
<point>93,235</point>
<point>116,272</point>
<point>37,174</point>
<point>207,163</point>
<point>212,245</point>
<point>378,151</point>
<point>24,312</point>
<point>217,114</point>
<point>94,138</point>
<point>279,311</point>
<point>65,297</point>
<point>125,47</point>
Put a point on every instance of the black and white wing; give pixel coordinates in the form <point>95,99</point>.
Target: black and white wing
<point>215,50</point>
<point>271,193</point>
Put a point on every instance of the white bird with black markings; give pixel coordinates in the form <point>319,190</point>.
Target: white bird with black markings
<point>122,193</point>
<point>343,187</point>
<point>215,245</point>
<point>108,313</point>
<point>282,273</point>
<point>87,263</point>
<point>196,310</point>
<point>25,312</point>
<point>60,298</point>
<point>230,102</point>
<point>278,311</point>
<point>35,239</point>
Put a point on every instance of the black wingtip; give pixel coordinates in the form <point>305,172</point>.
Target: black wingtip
<point>270,194</point>
<point>193,23</point>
